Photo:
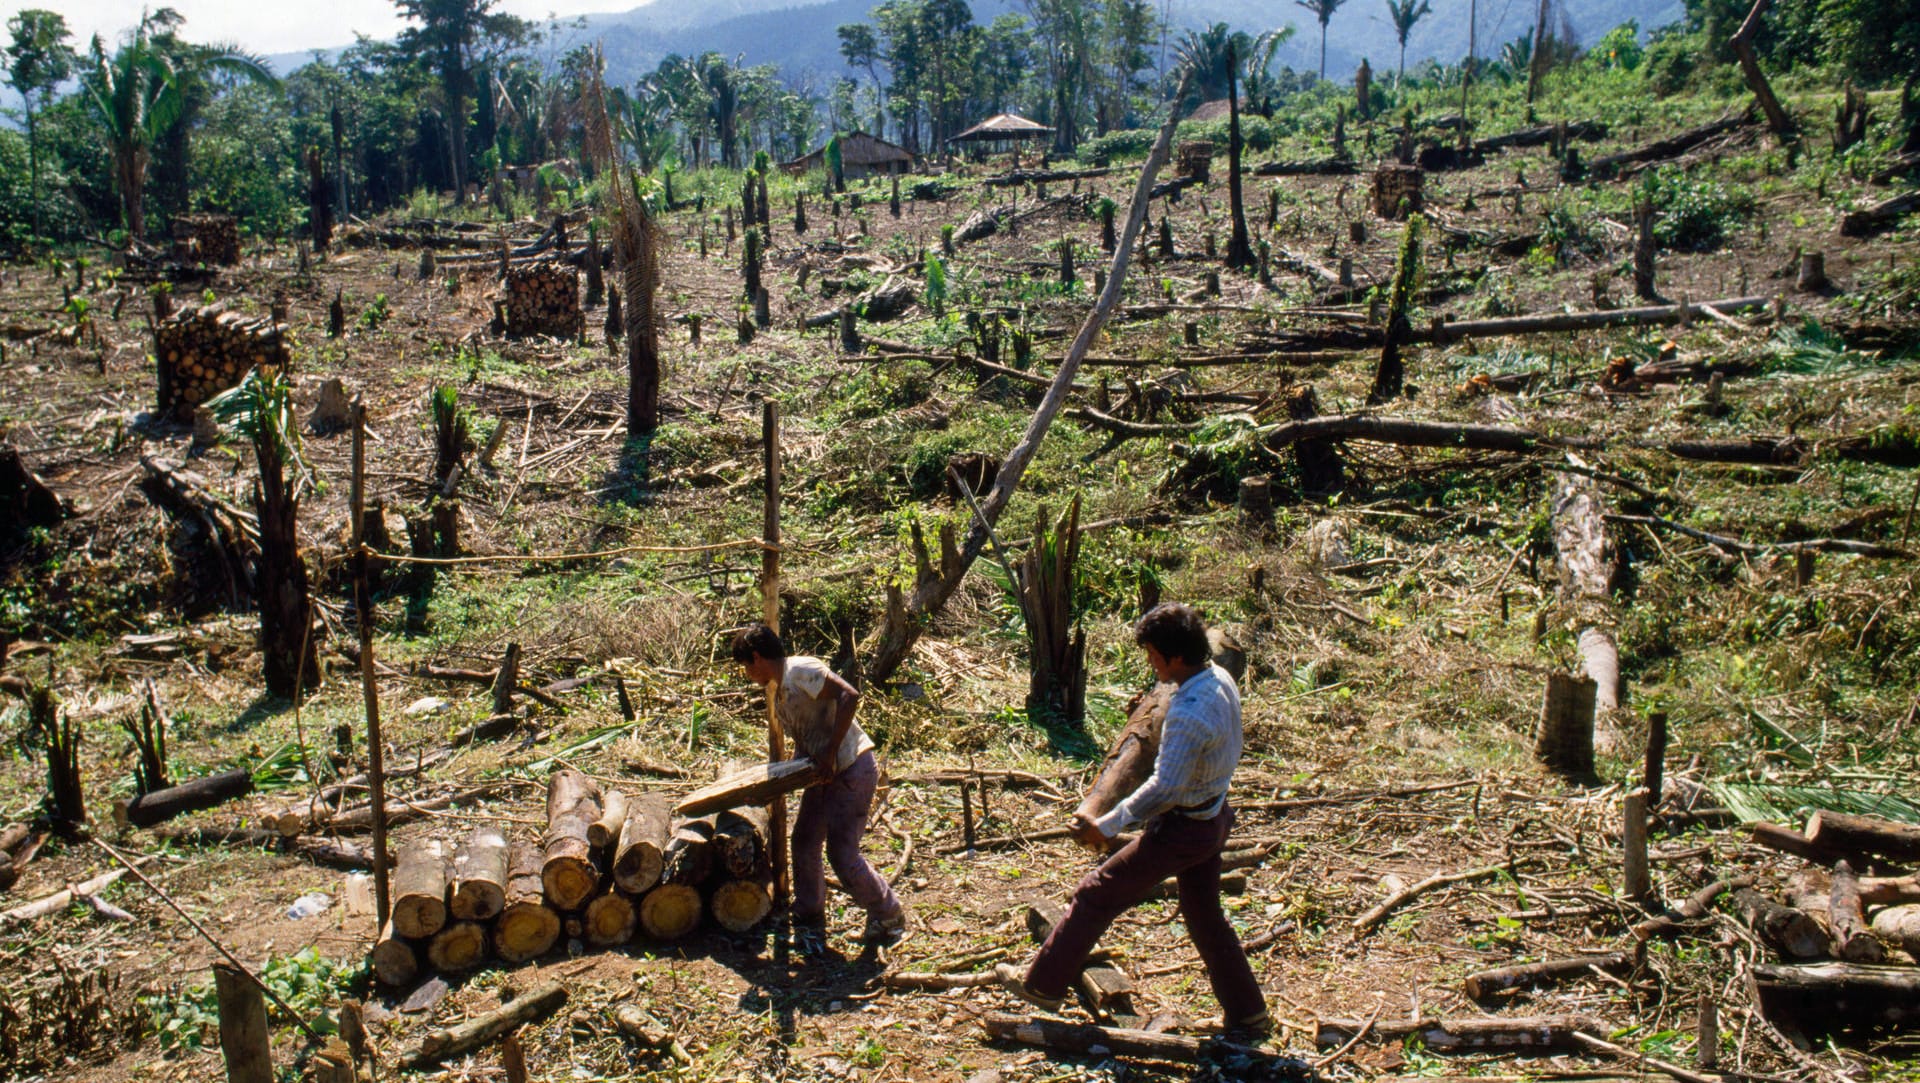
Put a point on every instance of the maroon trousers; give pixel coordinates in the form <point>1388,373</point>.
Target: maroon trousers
<point>833,817</point>
<point>1172,845</point>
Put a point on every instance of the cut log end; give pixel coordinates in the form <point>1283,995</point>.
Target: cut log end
<point>739,905</point>
<point>670,911</point>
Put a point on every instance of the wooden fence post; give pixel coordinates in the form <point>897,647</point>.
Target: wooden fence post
<point>770,615</point>
<point>243,1025</point>
<point>363,611</point>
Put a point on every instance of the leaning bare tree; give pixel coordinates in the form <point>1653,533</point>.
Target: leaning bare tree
<point>907,615</point>
<point>261,409</point>
<point>634,238</point>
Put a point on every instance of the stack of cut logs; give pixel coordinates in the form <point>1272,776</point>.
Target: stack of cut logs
<point>611,865</point>
<point>1195,159</point>
<point>543,298</point>
<point>200,352</point>
<point>1398,191</point>
<point>207,238</point>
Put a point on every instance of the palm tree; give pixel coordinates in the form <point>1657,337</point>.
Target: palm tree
<point>1405,13</point>
<point>1322,10</point>
<point>137,96</point>
<point>39,60</point>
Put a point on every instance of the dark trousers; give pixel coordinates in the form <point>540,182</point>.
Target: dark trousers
<point>1172,845</point>
<point>832,817</point>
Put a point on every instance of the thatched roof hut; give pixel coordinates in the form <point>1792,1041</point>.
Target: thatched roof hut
<point>1002,128</point>
<point>1217,109</point>
<point>860,155</point>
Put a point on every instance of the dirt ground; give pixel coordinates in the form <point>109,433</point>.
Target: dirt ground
<point>1415,666</point>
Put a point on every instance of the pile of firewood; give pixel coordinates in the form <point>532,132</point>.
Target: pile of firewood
<point>543,298</point>
<point>202,351</point>
<point>1398,191</point>
<point>611,866</point>
<point>207,238</point>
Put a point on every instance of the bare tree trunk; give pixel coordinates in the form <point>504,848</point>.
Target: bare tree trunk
<point>1742,43</point>
<point>289,655</point>
<point>1239,251</point>
<point>907,616</point>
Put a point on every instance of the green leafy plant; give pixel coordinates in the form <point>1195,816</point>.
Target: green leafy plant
<point>376,313</point>
<point>308,982</point>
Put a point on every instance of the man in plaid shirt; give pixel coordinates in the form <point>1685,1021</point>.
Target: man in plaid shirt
<point>1183,806</point>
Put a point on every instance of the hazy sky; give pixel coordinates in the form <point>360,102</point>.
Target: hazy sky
<point>273,26</point>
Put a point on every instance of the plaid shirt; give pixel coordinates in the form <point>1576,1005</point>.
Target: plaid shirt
<point>1199,749</point>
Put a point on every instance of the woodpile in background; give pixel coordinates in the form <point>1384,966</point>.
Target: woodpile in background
<point>207,238</point>
<point>611,866</point>
<point>1397,191</point>
<point>543,298</point>
<point>202,351</point>
<point>1195,159</point>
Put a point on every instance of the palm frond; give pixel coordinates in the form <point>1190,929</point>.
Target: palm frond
<point>1755,801</point>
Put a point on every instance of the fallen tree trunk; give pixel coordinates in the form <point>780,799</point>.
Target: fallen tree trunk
<point>402,810</point>
<point>1492,1034</point>
<point>907,616</point>
<point>755,785</point>
<point>1788,931</point>
<point>1587,560</point>
<point>1311,167</point>
<point>1040,176</point>
<point>440,1044</point>
<point>1853,940</point>
<point>1645,315</point>
<point>1899,926</point>
<point>527,927</point>
<point>1503,979</point>
<point>1848,833</point>
<point>1692,910</point>
<point>1541,136</point>
<point>59,900</point>
<point>1366,922</point>
<point>1735,545</point>
<point>1846,993</point>
<point>160,806</point>
<point>643,838</point>
<point>1083,1038</point>
<point>568,873</point>
<point>1130,761</point>
<point>1663,149</point>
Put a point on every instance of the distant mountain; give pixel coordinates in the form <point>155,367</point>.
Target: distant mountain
<point>802,40</point>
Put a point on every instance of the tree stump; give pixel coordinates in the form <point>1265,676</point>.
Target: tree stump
<point>1564,739</point>
<point>1398,190</point>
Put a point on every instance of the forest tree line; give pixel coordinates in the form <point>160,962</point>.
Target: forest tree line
<point>113,140</point>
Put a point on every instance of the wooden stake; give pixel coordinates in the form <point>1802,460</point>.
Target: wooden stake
<point>243,1026</point>
<point>363,609</point>
<point>1654,779</point>
<point>1706,1054</point>
<point>1635,878</point>
<point>770,615</point>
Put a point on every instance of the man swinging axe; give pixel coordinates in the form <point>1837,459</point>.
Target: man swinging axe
<point>1183,807</point>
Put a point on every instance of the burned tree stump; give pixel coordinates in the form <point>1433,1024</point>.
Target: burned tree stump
<point>1564,738</point>
<point>1194,159</point>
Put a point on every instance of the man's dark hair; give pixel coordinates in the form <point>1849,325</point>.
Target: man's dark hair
<point>758,640</point>
<point>1176,631</point>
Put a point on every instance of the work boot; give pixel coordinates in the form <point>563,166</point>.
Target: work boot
<point>1253,1030</point>
<point>886,931</point>
<point>810,937</point>
<point>1013,981</point>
